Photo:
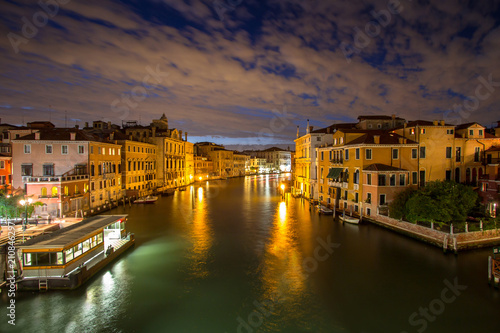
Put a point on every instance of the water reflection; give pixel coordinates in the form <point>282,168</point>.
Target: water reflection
<point>201,235</point>
<point>282,276</point>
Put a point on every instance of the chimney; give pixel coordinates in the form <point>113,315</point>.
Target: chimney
<point>311,128</point>
<point>86,124</point>
<point>77,127</point>
<point>130,137</point>
<point>328,130</point>
<point>442,123</point>
<point>37,135</point>
<point>111,136</point>
<point>180,135</point>
<point>72,136</point>
<point>435,122</point>
<point>307,128</point>
<point>153,131</point>
<point>109,125</point>
<point>298,130</point>
<point>185,136</point>
<point>376,139</point>
<point>393,120</point>
<point>401,140</point>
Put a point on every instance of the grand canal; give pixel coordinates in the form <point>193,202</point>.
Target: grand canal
<point>232,256</point>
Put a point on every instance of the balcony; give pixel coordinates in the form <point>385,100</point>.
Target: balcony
<point>345,185</point>
<point>334,183</point>
<point>356,187</point>
<point>337,161</point>
<point>53,179</point>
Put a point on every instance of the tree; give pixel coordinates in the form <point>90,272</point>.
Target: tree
<point>397,208</point>
<point>442,202</point>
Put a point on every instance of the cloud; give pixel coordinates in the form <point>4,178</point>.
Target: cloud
<point>261,56</point>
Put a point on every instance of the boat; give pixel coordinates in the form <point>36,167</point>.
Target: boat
<point>168,192</point>
<point>324,210</point>
<point>349,219</point>
<point>183,188</point>
<point>146,200</point>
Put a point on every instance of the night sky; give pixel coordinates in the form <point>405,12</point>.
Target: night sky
<point>243,71</point>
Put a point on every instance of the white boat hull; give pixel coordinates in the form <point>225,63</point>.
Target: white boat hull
<point>349,219</point>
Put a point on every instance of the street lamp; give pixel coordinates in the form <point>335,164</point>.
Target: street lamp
<point>25,203</point>
<point>283,191</point>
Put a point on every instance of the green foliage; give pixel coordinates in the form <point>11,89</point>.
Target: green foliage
<point>438,201</point>
<point>10,207</point>
<point>397,208</point>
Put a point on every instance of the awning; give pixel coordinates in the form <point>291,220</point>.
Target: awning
<point>334,173</point>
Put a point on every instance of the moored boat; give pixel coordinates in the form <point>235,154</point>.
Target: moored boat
<point>349,219</point>
<point>146,200</point>
<point>324,210</point>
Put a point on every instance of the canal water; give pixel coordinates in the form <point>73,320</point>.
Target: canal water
<point>232,256</point>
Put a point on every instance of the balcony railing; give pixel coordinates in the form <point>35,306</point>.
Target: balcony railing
<point>53,179</point>
<point>345,185</point>
<point>356,186</point>
<point>337,161</point>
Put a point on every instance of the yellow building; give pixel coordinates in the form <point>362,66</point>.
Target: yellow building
<point>241,162</point>
<point>171,160</point>
<point>448,152</point>
<point>105,173</point>
<point>190,164</point>
<point>139,167</point>
<point>345,166</point>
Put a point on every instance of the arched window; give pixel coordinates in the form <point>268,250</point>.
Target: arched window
<point>66,190</point>
<point>44,191</point>
<point>54,191</point>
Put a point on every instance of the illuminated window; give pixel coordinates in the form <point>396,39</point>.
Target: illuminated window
<point>27,259</point>
<point>69,255</point>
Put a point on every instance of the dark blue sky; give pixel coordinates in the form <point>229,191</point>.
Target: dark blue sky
<point>249,71</point>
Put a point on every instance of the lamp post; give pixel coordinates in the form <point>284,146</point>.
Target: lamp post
<point>25,203</point>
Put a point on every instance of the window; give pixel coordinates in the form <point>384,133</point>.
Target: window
<point>27,169</point>
<point>91,149</point>
<point>414,178</point>
<point>64,149</point>
<point>414,153</point>
<point>368,198</point>
<point>318,138</point>
<point>81,149</point>
<point>395,154</point>
<point>3,180</point>
<point>412,131</point>
<point>458,153</point>
<point>347,154</point>
<point>356,197</point>
<point>448,175</point>
<point>381,201</point>
<point>448,152</point>
<point>477,151</point>
<point>357,153</point>
<point>369,179</point>
<point>48,170</point>
<point>368,154</point>
<point>381,180</point>
<point>2,164</point>
<point>392,180</point>
<point>422,152</point>
<point>48,149</point>
<point>449,131</point>
<point>481,132</point>
<point>27,149</point>
<point>402,179</point>
<point>322,155</point>
<point>471,132</point>
<point>422,131</point>
<point>422,178</point>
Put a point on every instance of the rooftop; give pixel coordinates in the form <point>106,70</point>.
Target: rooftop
<point>72,234</point>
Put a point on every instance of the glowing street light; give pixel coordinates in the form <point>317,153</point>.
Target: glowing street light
<point>25,203</point>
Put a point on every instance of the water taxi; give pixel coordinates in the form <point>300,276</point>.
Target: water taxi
<point>68,257</point>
